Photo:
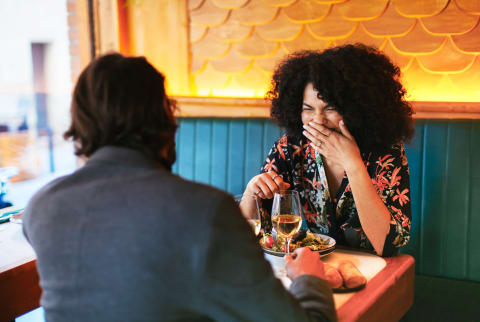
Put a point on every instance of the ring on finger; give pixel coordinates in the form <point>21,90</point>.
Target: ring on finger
<point>275,177</point>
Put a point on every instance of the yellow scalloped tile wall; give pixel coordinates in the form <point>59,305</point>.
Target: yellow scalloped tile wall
<point>235,44</point>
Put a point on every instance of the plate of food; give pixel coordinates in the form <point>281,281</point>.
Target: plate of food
<point>322,244</point>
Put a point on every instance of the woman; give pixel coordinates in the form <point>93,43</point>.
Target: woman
<point>346,119</point>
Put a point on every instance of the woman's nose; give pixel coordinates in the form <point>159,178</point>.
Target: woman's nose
<point>318,116</point>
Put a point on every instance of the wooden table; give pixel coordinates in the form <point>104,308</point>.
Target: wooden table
<point>19,288</point>
<point>389,291</point>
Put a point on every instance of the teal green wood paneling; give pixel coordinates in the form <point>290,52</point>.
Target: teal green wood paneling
<point>254,149</point>
<point>433,210</point>
<point>220,147</point>
<point>236,156</point>
<point>203,151</point>
<point>186,149</point>
<point>414,151</point>
<point>444,161</point>
<point>271,133</point>
<point>456,199</point>
<point>473,239</point>
<point>177,142</point>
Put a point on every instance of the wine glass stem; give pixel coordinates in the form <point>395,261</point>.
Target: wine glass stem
<point>288,245</point>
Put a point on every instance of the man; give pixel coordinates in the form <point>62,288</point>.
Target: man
<point>123,239</point>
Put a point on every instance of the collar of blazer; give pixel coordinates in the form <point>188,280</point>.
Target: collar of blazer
<point>123,156</point>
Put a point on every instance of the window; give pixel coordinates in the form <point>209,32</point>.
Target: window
<point>41,45</point>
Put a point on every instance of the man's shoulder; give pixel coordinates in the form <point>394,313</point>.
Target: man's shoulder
<point>188,188</point>
<point>47,189</point>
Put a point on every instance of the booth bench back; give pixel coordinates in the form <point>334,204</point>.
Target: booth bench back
<point>444,160</point>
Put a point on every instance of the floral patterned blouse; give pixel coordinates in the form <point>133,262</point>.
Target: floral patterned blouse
<point>300,166</point>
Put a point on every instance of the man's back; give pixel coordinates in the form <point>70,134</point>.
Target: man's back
<point>118,238</point>
<point>123,240</point>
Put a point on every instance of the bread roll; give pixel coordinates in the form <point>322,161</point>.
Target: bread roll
<point>351,275</point>
<point>333,277</point>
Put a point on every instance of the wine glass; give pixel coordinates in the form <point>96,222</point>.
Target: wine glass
<point>286,214</point>
<point>249,205</point>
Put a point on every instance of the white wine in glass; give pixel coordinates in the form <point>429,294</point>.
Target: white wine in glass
<point>251,211</point>
<point>286,214</point>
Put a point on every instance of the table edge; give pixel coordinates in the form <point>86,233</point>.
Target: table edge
<point>400,263</point>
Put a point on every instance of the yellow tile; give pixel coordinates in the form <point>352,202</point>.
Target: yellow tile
<point>420,8</point>
<point>194,4</point>
<point>278,3</point>
<point>231,31</point>
<point>358,10</point>
<point>304,42</point>
<point>209,47</point>
<point>232,62</point>
<point>208,15</point>
<point>397,58</point>
<point>280,29</point>
<point>390,23</point>
<point>307,11</point>
<point>254,47</point>
<point>469,80</point>
<point>331,1</point>
<point>229,4</point>
<point>333,26</point>
<point>236,44</point>
<point>469,6</point>
<point>268,64</point>
<point>418,41</point>
<point>450,21</point>
<point>197,33</point>
<point>361,36</point>
<point>253,79</point>
<point>447,59</point>
<point>469,42</point>
<point>417,81</point>
<point>255,13</point>
<point>197,64</point>
<point>210,78</point>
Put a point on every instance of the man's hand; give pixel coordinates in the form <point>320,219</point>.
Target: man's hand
<point>304,262</point>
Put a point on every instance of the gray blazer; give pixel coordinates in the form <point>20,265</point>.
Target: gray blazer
<point>122,239</point>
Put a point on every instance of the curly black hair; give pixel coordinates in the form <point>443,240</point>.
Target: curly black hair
<point>360,82</point>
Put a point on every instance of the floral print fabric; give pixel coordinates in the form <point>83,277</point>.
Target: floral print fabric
<point>300,166</point>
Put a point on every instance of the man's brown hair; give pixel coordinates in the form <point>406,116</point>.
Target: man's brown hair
<point>121,101</point>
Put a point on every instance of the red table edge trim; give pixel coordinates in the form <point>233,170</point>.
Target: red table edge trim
<point>25,291</point>
<point>376,286</point>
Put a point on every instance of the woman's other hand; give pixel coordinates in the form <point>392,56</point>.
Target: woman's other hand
<point>266,184</point>
<point>340,148</point>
